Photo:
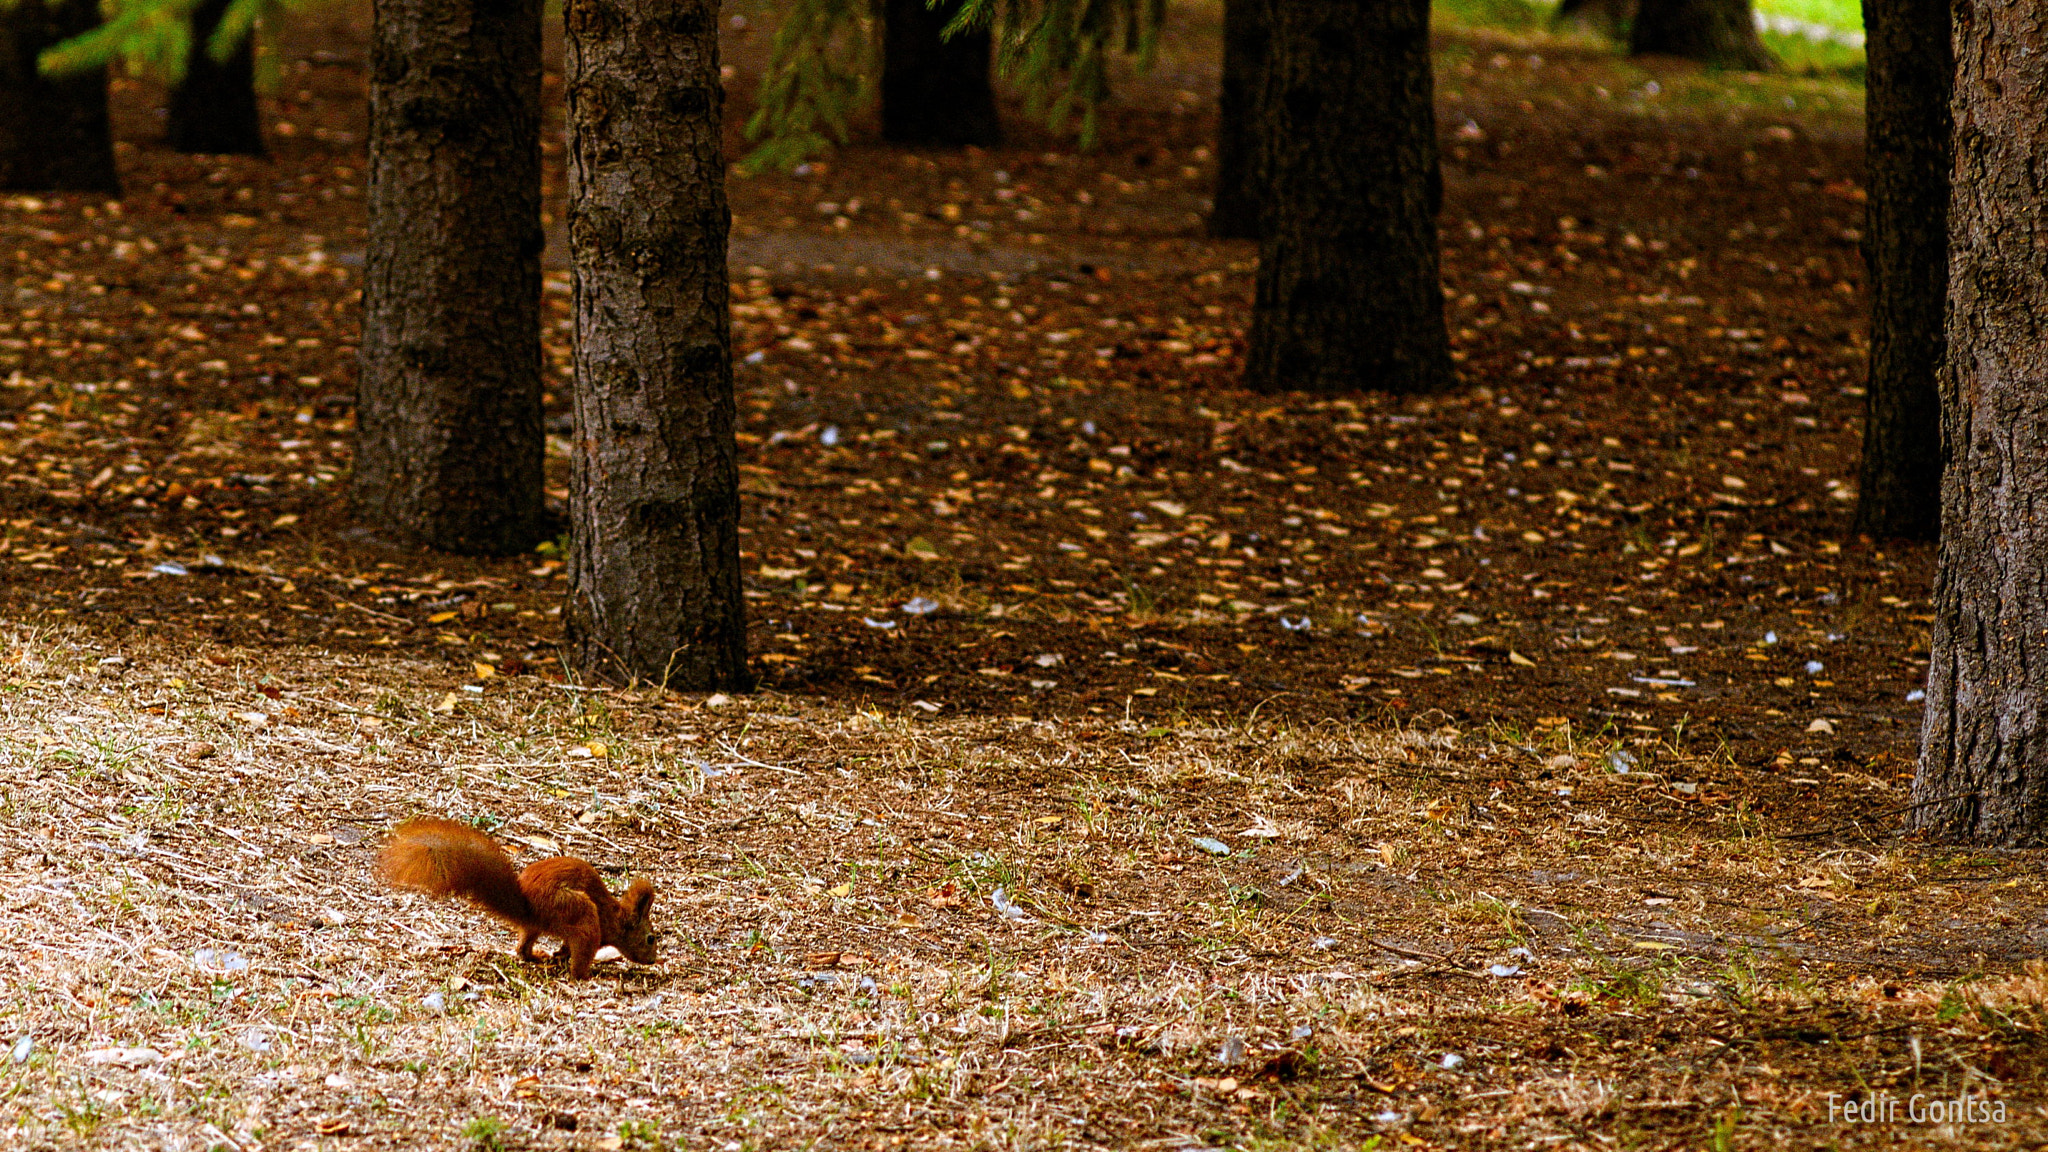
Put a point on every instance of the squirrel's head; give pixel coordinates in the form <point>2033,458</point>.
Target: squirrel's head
<point>636,926</point>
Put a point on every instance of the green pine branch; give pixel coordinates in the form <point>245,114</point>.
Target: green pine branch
<point>823,65</point>
<point>154,37</point>
<point>821,69</point>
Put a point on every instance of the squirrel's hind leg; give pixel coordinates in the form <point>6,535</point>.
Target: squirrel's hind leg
<point>527,939</point>
<point>581,931</point>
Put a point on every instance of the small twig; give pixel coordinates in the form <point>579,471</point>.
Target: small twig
<point>373,612</point>
<point>1858,823</point>
<point>326,746</point>
<point>744,759</point>
<point>1410,953</point>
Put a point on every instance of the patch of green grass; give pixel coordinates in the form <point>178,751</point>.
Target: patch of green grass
<point>1722,1137</point>
<point>486,1133</point>
<point>997,981</point>
<point>1742,980</point>
<point>373,1011</point>
<point>640,1134</point>
<point>1639,986</point>
<point>1803,57</point>
<point>84,1117</point>
<point>1844,14</point>
<point>1506,15</point>
<point>986,871</point>
<point>1799,54</point>
<point>1522,15</point>
<point>1501,915</point>
<point>1143,602</point>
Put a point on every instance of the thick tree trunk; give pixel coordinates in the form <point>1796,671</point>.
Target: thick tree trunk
<point>213,108</point>
<point>654,574</point>
<point>1906,129</point>
<point>449,442</point>
<point>1235,212</point>
<point>1607,17</point>
<point>54,135</point>
<point>1721,33</point>
<point>1984,745</point>
<point>1348,292</point>
<point>935,91</point>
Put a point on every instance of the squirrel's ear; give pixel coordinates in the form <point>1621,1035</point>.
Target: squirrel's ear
<point>639,897</point>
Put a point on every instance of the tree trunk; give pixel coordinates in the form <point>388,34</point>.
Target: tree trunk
<point>654,573</point>
<point>935,92</point>
<point>449,442</point>
<point>1348,294</point>
<point>213,108</point>
<point>1906,253</point>
<point>1984,746</point>
<point>1609,18</point>
<point>1721,33</point>
<point>1235,212</point>
<point>54,135</point>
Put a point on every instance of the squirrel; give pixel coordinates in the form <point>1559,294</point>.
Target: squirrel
<point>561,896</point>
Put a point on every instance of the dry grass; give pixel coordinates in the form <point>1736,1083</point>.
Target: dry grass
<point>1414,936</point>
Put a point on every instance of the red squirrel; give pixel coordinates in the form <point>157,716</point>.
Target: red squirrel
<point>561,896</point>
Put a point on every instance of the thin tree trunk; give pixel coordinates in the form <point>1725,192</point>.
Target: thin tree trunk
<point>654,574</point>
<point>213,108</point>
<point>1348,293</point>
<point>1984,745</point>
<point>1721,33</point>
<point>54,135</point>
<point>935,91</point>
<point>1234,214</point>
<point>1906,120</point>
<point>449,442</point>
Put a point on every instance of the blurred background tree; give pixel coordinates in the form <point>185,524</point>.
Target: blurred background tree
<point>206,51</point>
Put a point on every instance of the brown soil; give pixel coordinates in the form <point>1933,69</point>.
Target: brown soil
<point>1633,518</point>
<point>1581,658</point>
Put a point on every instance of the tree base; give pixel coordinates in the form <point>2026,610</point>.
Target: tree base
<point>1717,33</point>
<point>1349,295</point>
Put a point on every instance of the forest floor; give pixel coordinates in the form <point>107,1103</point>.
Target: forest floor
<point>1137,762</point>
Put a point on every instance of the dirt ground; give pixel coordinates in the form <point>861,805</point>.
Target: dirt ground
<point>1138,762</point>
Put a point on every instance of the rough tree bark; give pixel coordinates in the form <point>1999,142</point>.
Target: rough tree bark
<point>54,135</point>
<point>449,441</point>
<point>1721,33</point>
<point>1348,293</point>
<point>213,108</point>
<point>654,574</point>
<point>935,92</point>
<point>1984,745</point>
<point>1234,215</point>
<point>1905,245</point>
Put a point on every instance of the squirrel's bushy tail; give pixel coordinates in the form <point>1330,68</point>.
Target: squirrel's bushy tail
<point>445,858</point>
